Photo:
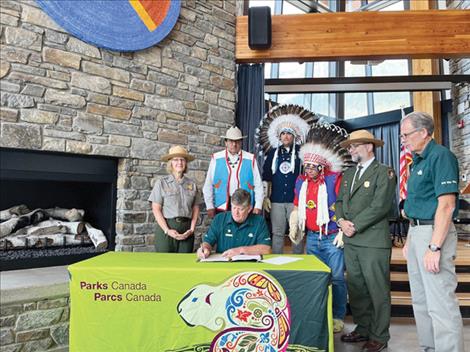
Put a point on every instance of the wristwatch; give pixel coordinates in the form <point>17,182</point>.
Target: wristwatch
<point>434,248</point>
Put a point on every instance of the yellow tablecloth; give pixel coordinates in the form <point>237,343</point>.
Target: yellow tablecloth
<point>123,301</point>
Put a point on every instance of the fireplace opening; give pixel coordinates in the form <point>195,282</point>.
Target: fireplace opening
<point>44,180</point>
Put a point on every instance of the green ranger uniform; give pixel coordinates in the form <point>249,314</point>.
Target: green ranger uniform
<point>228,234</point>
<point>367,253</point>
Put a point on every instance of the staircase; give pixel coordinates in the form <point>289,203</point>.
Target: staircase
<point>401,296</point>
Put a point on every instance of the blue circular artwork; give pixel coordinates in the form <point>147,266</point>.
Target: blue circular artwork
<point>121,25</point>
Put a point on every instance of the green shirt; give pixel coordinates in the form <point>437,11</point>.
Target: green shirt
<point>433,173</point>
<point>228,234</point>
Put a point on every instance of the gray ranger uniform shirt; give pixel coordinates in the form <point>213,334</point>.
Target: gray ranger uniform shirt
<point>176,198</point>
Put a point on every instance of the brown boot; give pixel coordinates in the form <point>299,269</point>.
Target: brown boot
<point>374,346</point>
<point>354,337</point>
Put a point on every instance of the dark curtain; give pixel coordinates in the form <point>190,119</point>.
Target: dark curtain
<point>389,154</point>
<point>250,102</point>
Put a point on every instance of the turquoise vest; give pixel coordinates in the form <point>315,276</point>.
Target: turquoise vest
<point>222,174</point>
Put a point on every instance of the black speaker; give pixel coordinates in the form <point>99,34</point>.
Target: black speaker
<point>259,27</point>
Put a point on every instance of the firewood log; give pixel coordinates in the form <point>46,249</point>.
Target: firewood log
<point>66,214</point>
<point>14,224</point>
<point>51,226</point>
<point>96,236</point>
<point>51,240</point>
<point>15,211</point>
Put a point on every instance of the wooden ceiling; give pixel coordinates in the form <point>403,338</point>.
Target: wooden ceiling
<point>361,36</point>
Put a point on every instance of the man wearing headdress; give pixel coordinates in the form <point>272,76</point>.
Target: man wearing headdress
<point>314,212</point>
<point>230,169</point>
<point>364,202</point>
<point>280,170</point>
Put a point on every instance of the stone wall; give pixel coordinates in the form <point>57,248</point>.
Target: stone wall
<point>35,326</point>
<point>460,136</point>
<point>61,94</point>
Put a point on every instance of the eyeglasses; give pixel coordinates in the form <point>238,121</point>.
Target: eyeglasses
<point>406,135</point>
<point>354,146</point>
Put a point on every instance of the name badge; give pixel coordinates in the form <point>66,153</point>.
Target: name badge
<point>228,235</point>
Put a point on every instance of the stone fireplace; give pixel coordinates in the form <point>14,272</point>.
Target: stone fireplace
<point>62,95</point>
<point>64,98</point>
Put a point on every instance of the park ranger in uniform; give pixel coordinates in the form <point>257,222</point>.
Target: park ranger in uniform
<point>365,199</point>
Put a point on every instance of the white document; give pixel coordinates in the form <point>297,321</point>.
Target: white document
<point>217,257</point>
<point>281,260</point>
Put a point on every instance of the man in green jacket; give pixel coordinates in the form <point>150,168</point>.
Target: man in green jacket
<point>362,208</point>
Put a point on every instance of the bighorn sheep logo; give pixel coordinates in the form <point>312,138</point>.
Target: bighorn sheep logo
<point>250,309</point>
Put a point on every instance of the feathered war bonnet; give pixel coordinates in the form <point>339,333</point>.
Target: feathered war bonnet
<point>290,118</point>
<point>322,147</point>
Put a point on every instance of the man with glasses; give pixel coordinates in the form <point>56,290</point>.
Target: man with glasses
<point>230,169</point>
<point>365,199</point>
<point>237,231</point>
<point>432,239</point>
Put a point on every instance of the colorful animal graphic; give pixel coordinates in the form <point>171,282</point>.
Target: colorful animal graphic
<point>250,311</point>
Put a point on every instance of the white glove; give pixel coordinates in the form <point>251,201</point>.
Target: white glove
<point>338,241</point>
<point>295,234</point>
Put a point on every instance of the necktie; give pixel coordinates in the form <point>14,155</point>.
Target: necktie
<point>356,176</point>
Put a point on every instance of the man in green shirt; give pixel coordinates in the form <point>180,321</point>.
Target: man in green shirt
<point>432,239</point>
<point>237,231</point>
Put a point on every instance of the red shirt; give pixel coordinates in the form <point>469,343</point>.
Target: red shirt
<point>311,199</point>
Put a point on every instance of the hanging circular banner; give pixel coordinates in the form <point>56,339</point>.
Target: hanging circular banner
<point>121,25</point>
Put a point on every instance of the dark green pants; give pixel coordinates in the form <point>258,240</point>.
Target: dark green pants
<point>368,279</point>
<point>167,244</point>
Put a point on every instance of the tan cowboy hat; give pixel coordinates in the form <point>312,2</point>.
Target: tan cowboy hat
<point>234,134</point>
<point>361,136</point>
<point>178,152</point>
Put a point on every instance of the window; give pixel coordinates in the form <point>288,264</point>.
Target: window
<point>386,101</point>
<point>355,105</point>
<point>352,104</point>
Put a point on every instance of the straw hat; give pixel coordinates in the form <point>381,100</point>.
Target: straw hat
<point>234,134</point>
<point>361,136</point>
<point>178,152</point>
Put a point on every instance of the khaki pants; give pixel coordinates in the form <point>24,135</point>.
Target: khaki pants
<point>435,305</point>
<point>167,244</point>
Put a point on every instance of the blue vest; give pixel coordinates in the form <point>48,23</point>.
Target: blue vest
<point>222,174</point>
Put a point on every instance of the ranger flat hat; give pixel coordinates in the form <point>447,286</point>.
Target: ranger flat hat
<point>234,134</point>
<point>178,152</point>
<point>361,136</point>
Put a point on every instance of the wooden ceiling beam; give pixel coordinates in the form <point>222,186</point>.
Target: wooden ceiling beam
<point>360,36</point>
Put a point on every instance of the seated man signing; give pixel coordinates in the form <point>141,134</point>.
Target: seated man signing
<point>237,231</point>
